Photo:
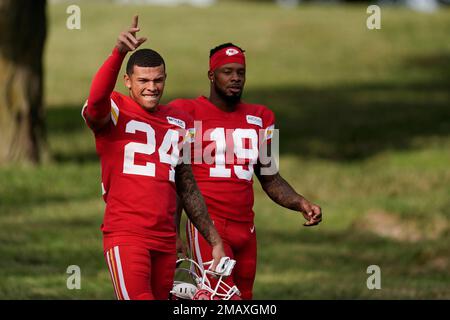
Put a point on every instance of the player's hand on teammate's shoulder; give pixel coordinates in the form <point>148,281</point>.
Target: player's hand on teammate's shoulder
<point>311,212</point>
<point>127,40</point>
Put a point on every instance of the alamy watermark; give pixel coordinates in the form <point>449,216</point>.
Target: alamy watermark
<point>73,21</point>
<point>374,280</point>
<point>74,278</point>
<point>374,20</point>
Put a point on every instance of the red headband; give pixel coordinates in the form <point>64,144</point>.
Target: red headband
<point>225,56</point>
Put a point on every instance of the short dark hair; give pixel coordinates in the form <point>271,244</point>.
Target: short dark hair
<point>144,58</point>
<point>224,45</point>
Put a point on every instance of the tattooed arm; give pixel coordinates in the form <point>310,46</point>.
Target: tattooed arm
<point>282,193</point>
<point>192,200</point>
<point>181,247</point>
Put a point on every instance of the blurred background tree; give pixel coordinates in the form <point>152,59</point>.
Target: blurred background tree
<point>22,38</point>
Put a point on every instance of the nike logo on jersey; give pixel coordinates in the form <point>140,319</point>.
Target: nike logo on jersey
<point>252,229</point>
<point>254,120</point>
<point>176,122</point>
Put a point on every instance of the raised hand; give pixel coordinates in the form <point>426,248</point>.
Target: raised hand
<point>127,40</point>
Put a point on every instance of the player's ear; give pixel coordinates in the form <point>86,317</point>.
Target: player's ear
<point>127,81</point>
<point>211,76</point>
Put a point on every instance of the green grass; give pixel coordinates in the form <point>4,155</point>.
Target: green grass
<point>364,123</point>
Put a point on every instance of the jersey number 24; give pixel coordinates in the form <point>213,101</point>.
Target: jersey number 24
<point>149,169</point>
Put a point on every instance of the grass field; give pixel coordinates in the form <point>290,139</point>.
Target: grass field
<point>364,119</point>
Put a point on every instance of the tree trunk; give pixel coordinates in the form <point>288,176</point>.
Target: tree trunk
<point>22,38</point>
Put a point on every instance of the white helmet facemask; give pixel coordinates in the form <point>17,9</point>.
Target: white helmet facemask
<point>202,289</point>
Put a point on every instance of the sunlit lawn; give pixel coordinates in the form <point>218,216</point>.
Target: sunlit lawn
<point>364,124</point>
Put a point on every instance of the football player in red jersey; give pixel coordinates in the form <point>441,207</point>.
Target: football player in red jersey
<point>139,143</point>
<point>230,135</point>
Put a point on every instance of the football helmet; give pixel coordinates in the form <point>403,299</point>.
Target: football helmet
<point>202,289</point>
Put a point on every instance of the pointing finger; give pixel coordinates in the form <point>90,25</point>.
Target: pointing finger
<point>134,22</point>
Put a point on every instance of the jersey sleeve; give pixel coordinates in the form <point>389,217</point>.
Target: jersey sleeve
<point>268,124</point>
<point>100,103</point>
<point>114,109</point>
<point>187,148</point>
<point>268,149</point>
<point>188,141</point>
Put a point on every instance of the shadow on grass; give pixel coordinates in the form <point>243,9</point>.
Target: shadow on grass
<point>333,124</point>
<point>353,122</point>
<point>333,265</point>
<point>66,121</point>
<point>341,123</point>
<point>79,157</point>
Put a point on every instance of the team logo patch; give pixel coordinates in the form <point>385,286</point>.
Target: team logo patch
<point>231,52</point>
<point>269,132</point>
<point>254,120</point>
<point>190,135</point>
<point>176,122</point>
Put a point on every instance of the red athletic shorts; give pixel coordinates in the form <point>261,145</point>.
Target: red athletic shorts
<point>138,272</point>
<point>239,240</point>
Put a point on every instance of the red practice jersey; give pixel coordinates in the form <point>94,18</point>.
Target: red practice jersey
<point>139,151</point>
<point>226,148</point>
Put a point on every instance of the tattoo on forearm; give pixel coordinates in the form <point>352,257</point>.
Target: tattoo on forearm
<point>193,202</point>
<point>280,191</point>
